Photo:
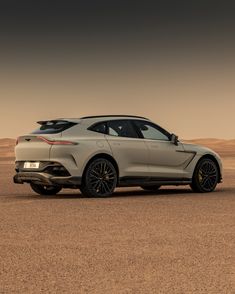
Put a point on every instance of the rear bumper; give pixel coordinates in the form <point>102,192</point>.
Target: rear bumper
<point>46,179</point>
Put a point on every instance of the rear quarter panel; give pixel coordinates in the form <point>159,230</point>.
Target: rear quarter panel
<point>75,157</point>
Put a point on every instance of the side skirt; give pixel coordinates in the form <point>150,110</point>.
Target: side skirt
<point>145,181</point>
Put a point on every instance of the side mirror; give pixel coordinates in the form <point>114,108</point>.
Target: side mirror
<point>174,139</point>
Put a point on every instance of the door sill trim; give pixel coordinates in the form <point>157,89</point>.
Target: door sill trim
<point>138,181</point>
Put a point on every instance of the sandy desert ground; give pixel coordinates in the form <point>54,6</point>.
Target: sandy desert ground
<point>173,241</point>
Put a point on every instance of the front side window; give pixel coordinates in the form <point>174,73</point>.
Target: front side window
<point>121,128</point>
<point>150,131</point>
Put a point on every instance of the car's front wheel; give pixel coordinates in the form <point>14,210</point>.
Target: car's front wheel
<point>45,190</point>
<point>100,179</point>
<point>205,177</point>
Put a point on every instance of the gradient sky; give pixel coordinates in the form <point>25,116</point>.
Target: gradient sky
<point>172,63</point>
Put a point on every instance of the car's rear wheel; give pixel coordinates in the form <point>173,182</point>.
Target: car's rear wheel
<point>205,177</point>
<point>100,179</point>
<point>45,190</point>
<point>151,188</point>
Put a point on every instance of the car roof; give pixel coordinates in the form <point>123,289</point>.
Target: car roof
<point>113,116</point>
<point>98,118</point>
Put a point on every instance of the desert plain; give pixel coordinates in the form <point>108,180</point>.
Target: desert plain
<point>172,241</point>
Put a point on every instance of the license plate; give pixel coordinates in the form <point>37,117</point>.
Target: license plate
<point>31,164</point>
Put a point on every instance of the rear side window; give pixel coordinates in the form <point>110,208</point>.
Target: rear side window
<point>53,127</point>
<point>121,128</point>
<point>99,128</point>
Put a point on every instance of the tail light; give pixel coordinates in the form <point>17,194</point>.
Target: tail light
<point>58,142</point>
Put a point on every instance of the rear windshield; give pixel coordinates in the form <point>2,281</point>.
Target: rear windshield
<point>53,127</point>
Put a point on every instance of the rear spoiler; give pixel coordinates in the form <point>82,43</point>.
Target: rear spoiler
<point>54,121</point>
<point>44,122</point>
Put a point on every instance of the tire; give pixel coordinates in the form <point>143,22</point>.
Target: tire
<point>151,188</point>
<point>99,179</point>
<point>205,176</point>
<point>45,190</point>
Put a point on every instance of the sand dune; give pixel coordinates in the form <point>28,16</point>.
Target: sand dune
<point>7,149</point>
<point>225,148</point>
<point>212,142</point>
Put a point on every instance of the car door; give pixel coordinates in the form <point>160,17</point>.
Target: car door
<point>128,149</point>
<point>165,160</point>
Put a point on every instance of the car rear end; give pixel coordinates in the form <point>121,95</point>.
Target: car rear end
<point>34,163</point>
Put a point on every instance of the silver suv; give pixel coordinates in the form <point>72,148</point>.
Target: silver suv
<point>96,154</point>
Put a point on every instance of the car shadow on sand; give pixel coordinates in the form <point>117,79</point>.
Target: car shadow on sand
<point>119,194</point>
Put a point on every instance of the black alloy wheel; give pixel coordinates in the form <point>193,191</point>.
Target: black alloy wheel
<point>206,176</point>
<point>100,179</point>
<point>45,190</point>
